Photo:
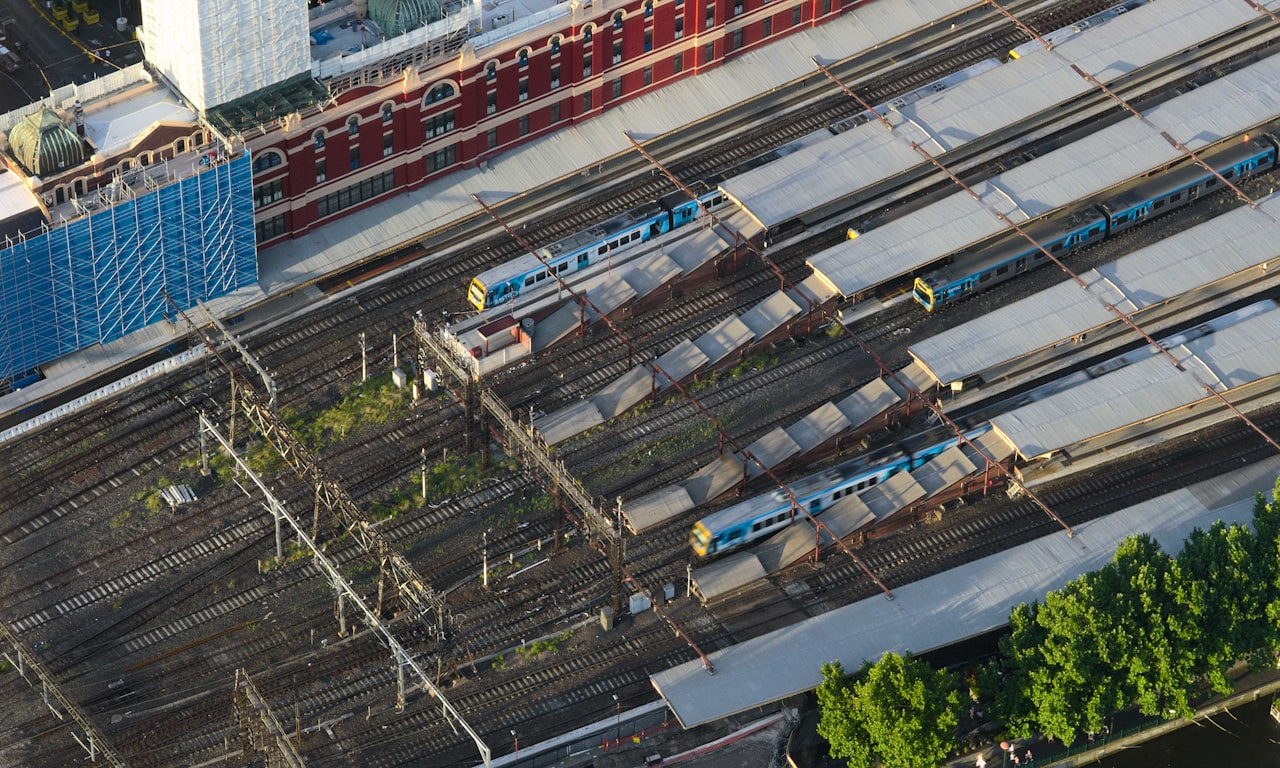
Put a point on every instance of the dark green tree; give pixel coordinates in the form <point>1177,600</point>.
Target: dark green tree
<point>898,710</point>
<point>1226,585</point>
<point>1151,611</point>
<point>840,722</point>
<point>1071,676</point>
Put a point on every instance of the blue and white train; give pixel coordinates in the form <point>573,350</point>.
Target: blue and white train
<point>1001,257</point>
<point>505,282</point>
<point>765,515</point>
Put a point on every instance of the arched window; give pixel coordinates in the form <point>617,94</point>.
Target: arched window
<point>523,57</point>
<point>386,112</point>
<point>648,8</point>
<point>617,20</point>
<point>440,92</point>
<point>180,146</point>
<point>79,187</point>
<point>491,70</point>
<point>353,126</point>
<point>317,138</point>
<point>587,31</point>
<point>266,160</point>
<point>556,42</point>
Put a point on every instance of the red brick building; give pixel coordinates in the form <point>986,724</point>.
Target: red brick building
<point>393,126</point>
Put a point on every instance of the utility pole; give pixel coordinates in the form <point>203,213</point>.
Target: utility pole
<point>364,359</point>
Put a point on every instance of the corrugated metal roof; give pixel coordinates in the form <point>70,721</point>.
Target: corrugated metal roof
<point>771,449</point>
<point>725,338</point>
<point>942,609</point>
<point>944,470</point>
<point>714,479</point>
<point>1201,255</point>
<point>567,422</point>
<point>724,576</point>
<point>872,399</point>
<point>627,390</point>
<point>1120,152</point>
<point>820,425</point>
<point>656,508</point>
<point>404,217</point>
<point>864,155</point>
<point>770,314</point>
<point>1229,358</point>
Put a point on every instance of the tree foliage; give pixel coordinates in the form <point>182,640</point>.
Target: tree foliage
<point>1146,630</point>
<point>898,711</point>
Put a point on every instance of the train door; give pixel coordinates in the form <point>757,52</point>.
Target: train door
<point>1020,266</point>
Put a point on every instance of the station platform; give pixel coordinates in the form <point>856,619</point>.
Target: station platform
<point>941,610</point>
<point>286,270</point>
<point>956,472</point>
<point>875,404</point>
<point>731,339</point>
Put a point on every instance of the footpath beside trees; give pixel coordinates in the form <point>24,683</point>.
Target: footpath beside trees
<point>1147,630</point>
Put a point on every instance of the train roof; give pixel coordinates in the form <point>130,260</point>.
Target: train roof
<point>1202,255</point>
<point>756,506</point>
<point>1098,162</point>
<point>807,180</point>
<point>1229,358</point>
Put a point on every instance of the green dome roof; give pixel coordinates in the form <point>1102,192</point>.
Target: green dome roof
<point>395,17</point>
<point>45,145</point>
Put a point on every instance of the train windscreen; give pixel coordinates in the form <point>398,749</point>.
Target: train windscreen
<point>476,294</point>
<point>923,294</point>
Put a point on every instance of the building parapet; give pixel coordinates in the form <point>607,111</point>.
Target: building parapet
<point>465,19</point>
<point>521,25</point>
<point>66,96</point>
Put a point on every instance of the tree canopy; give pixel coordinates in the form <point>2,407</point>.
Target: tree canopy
<point>899,711</point>
<point>1146,630</point>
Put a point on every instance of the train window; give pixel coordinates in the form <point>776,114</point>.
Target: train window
<point>614,244</point>
<point>984,277</point>
<point>1229,173</point>
<point>872,480</point>
<point>756,526</point>
<point>1040,256</point>
<point>1055,248</point>
<point>1175,197</point>
<point>1209,182</point>
<point>563,267</point>
<point>528,281</point>
<point>717,200</point>
<point>601,250</point>
<point>1158,205</point>
<point>541,276</point>
<point>1003,268</point>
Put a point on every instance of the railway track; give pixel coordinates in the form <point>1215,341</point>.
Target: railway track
<point>307,366</point>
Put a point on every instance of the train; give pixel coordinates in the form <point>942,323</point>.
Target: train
<point>503,283</point>
<point>1004,256</point>
<point>1066,33</point>
<point>764,515</point>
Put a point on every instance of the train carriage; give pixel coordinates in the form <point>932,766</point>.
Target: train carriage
<point>1000,258</point>
<point>503,283</point>
<point>764,515</point>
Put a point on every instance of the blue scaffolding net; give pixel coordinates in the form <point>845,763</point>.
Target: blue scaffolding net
<point>104,275</point>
